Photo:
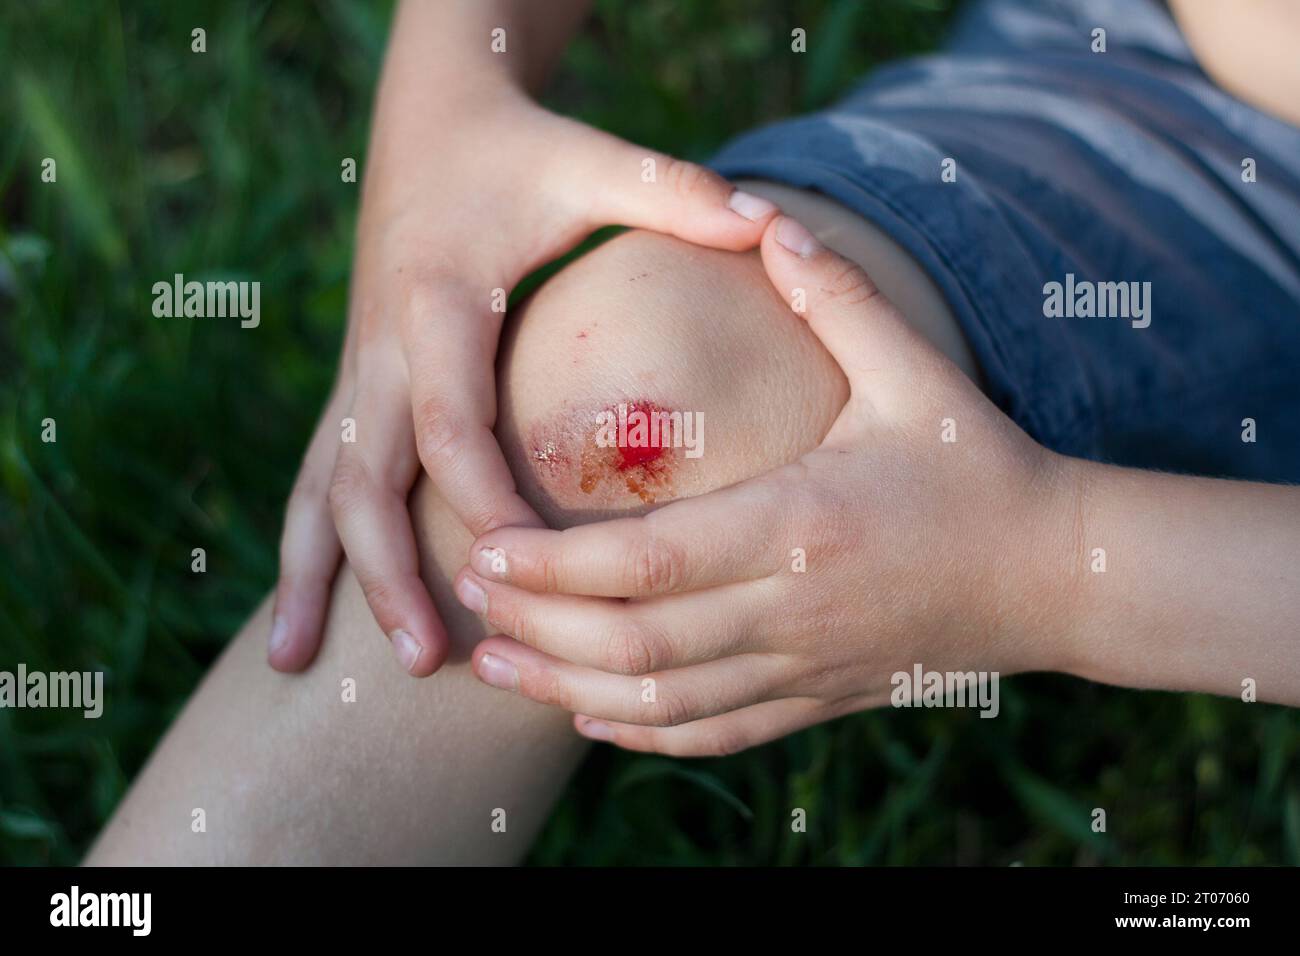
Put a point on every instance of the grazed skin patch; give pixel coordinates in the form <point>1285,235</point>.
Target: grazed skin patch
<point>567,456</point>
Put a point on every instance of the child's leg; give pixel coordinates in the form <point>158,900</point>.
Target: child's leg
<point>286,769</point>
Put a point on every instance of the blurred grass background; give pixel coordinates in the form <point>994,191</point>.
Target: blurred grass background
<point>180,434</point>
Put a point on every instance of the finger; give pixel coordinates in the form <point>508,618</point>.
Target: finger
<point>724,536</point>
<point>633,186</point>
<point>453,400</point>
<point>617,636</point>
<point>372,478</point>
<point>714,736</point>
<point>309,558</point>
<point>309,553</point>
<point>662,699</point>
<point>883,357</point>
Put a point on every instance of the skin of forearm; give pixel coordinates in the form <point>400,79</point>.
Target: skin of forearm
<point>1201,587</point>
<point>443,47</point>
<point>440,68</point>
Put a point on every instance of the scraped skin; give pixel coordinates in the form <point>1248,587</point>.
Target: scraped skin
<point>632,447</point>
<point>414,770</point>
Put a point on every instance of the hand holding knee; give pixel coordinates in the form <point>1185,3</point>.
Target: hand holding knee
<point>909,536</point>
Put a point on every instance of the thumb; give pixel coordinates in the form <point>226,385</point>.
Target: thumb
<point>887,362</point>
<point>634,186</point>
<point>449,353</point>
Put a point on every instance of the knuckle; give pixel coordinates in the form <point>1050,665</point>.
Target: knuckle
<point>478,513</point>
<point>439,433</point>
<point>851,285</point>
<point>349,485</point>
<point>656,566</point>
<point>672,710</point>
<point>820,676</point>
<point>380,595</point>
<point>479,517</point>
<point>550,688</point>
<point>634,649</point>
<point>686,178</point>
<point>548,571</point>
<point>817,515</point>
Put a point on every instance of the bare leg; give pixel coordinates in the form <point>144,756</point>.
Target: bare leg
<point>286,770</point>
<point>289,769</point>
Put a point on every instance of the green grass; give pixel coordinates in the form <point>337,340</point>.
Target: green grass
<point>173,435</point>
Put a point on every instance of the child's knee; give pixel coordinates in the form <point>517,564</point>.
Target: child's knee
<point>652,369</point>
<point>660,327</point>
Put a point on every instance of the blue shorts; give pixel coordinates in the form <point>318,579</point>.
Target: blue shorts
<point>1118,238</point>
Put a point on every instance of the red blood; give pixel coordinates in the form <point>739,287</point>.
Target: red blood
<point>639,460</point>
<point>640,454</point>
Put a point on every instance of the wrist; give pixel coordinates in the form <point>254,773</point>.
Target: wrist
<point>1055,605</point>
<point>452,48</point>
<point>419,144</point>
<point>1099,627</point>
<point>439,94</point>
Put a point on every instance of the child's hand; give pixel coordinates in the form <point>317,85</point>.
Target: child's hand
<point>917,550</point>
<point>464,195</point>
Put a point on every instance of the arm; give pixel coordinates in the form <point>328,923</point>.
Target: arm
<point>930,533</point>
<point>444,46</point>
<point>1201,588</point>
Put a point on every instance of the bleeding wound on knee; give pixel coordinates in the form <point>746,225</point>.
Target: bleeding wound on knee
<point>630,447</point>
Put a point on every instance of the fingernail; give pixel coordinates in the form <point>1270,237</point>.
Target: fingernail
<point>595,730</point>
<point>490,562</point>
<point>750,206</point>
<point>498,672</point>
<point>407,649</point>
<point>792,234</point>
<point>472,596</point>
<point>279,633</point>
